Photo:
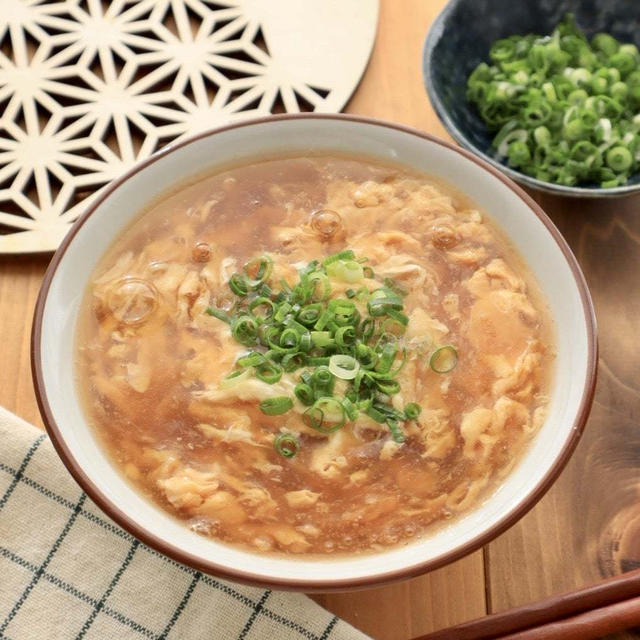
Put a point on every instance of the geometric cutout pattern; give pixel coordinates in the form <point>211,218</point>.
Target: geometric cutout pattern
<point>90,87</point>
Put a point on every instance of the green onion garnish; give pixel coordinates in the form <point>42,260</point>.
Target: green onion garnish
<point>286,445</point>
<point>444,359</point>
<point>276,406</point>
<point>218,313</point>
<point>238,284</point>
<point>234,378</point>
<point>412,410</point>
<point>261,308</point>
<point>368,272</point>
<point>326,415</point>
<point>350,408</point>
<point>347,254</point>
<point>258,271</point>
<point>245,330</point>
<point>300,329</point>
<point>252,359</point>
<point>396,432</point>
<point>388,387</point>
<point>343,366</point>
<point>268,372</point>
<point>345,270</point>
<point>304,393</point>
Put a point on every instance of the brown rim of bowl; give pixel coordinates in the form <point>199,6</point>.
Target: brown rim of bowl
<point>185,557</point>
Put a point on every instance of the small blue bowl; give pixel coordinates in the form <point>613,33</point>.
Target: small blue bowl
<point>460,39</point>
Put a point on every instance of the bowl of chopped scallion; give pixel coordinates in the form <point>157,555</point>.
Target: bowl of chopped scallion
<point>548,91</point>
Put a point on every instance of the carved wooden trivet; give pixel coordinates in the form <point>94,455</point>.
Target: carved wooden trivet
<point>89,87</point>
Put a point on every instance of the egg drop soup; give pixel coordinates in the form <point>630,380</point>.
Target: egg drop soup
<point>315,355</point>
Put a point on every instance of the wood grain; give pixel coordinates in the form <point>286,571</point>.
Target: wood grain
<point>20,279</point>
<point>588,525</point>
<point>415,607</point>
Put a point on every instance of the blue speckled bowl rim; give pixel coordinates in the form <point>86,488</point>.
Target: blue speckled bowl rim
<point>433,37</point>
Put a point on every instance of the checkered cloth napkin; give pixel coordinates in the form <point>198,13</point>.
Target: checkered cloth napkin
<point>68,572</point>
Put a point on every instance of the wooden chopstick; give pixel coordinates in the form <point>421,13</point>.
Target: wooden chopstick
<point>620,596</point>
<point>585,626</point>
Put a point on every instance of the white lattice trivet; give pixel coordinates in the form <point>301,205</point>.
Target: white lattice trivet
<point>89,87</point>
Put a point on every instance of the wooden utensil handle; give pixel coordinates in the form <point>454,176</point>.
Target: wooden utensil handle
<point>600,596</point>
<point>585,626</point>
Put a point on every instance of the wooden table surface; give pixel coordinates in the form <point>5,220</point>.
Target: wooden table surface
<point>588,525</point>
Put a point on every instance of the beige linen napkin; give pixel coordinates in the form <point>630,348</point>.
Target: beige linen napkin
<point>68,572</point>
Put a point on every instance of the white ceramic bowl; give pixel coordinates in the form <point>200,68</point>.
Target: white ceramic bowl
<point>530,230</point>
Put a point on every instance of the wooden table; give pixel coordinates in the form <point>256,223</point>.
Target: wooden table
<point>588,525</point>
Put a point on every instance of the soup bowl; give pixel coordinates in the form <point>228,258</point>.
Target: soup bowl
<point>530,231</point>
<point>460,38</point>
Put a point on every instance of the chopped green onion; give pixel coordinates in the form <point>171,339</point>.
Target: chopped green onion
<point>376,415</point>
<point>412,410</point>
<point>367,328</point>
<point>299,327</point>
<point>396,432</point>
<point>345,270</point>
<point>619,158</point>
<point>444,359</point>
<point>218,313</point>
<point>286,445</point>
<point>326,415</point>
<point>382,300</point>
<point>344,312</point>
<point>605,43</point>
<point>391,284</point>
<point>347,254</point>
<point>265,290</point>
<point>289,340</point>
<point>276,406</point>
<point>553,101</point>
<point>258,271</point>
<point>234,378</point>
<point>343,366</point>
<point>267,334</point>
<point>238,284</point>
<point>264,303</point>
<point>322,338</point>
<point>268,372</point>
<point>304,393</point>
<point>292,361</point>
<point>313,418</point>
<point>322,381</point>
<point>345,336</point>
<point>320,285</point>
<point>388,386</point>
<point>283,310</point>
<point>253,359</point>
<point>350,409</point>
<point>245,330</point>
<point>387,355</point>
<point>366,356</point>
<point>309,315</point>
<point>324,319</point>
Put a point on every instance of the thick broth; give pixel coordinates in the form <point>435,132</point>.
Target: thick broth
<point>150,360</point>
